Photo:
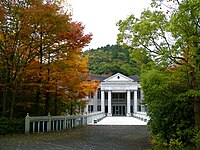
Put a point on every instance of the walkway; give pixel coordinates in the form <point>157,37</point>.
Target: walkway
<point>121,121</point>
<point>91,137</point>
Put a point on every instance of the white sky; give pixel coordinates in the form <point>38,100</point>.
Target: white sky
<point>100,17</point>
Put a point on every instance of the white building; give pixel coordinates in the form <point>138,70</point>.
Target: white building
<point>117,95</point>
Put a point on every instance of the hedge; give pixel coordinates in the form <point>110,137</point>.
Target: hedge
<point>11,126</point>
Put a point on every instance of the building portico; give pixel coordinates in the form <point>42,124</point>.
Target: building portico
<point>123,85</point>
<point>118,95</point>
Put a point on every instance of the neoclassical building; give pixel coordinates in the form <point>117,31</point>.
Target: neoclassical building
<point>117,95</point>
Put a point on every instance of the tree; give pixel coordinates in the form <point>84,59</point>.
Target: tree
<point>38,33</point>
<point>170,109</point>
<point>15,54</point>
<point>170,39</point>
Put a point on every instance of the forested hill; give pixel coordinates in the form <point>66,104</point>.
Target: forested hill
<point>111,59</point>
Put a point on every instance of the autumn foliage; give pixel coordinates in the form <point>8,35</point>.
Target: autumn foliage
<point>41,69</point>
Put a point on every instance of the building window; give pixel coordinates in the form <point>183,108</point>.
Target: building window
<point>90,108</point>
<point>106,109</point>
<point>106,95</point>
<point>99,93</point>
<point>98,107</point>
<point>118,95</point>
<point>122,95</point>
<point>139,108</point>
<point>91,95</point>
<point>132,95</point>
<point>114,95</point>
<point>145,109</point>
<point>131,108</point>
<point>139,93</point>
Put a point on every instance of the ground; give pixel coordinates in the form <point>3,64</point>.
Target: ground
<point>91,137</point>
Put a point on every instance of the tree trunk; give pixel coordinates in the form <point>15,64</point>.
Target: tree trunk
<point>197,117</point>
<point>6,93</point>
<point>47,103</point>
<point>12,104</point>
<point>39,81</point>
<point>71,108</point>
<point>194,86</point>
<point>197,112</point>
<point>5,97</point>
<point>56,105</point>
<point>196,100</point>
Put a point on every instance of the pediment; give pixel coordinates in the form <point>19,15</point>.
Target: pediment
<point>118,78</point>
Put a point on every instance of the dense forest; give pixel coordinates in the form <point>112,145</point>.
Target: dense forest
<point>111,59</point>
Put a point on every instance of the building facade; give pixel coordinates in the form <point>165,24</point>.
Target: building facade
<point>117,95</point>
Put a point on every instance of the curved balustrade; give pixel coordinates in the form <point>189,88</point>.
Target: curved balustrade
<point>141,115</point>
<point>53,123</point>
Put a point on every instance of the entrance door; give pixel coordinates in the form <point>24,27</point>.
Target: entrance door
<point>118,110</point>
<point>123,110</point>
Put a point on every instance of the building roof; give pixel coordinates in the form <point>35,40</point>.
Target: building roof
<point>97,77</point>
<point>135,78</point>
<point>119,78</point>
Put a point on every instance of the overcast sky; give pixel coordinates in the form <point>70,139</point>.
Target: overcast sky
<point>100,17</point>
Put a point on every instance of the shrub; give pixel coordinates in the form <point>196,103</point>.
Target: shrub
<point>10,126</point>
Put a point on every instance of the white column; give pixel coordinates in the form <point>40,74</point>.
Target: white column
<point>135,101</point>
<point>128,104</point>
<point>109,104</point>
<point>102,101</point>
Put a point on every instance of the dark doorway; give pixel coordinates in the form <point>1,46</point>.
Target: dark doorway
<point>118,110</point>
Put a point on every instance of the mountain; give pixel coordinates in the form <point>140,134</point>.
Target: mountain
<point>111,59</point>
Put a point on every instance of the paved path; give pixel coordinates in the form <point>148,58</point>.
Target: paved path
<point>91,137</point>
<point>118,120</point>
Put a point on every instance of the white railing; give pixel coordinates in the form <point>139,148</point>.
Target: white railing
<point>142,116</point>
<point>52,123</point>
